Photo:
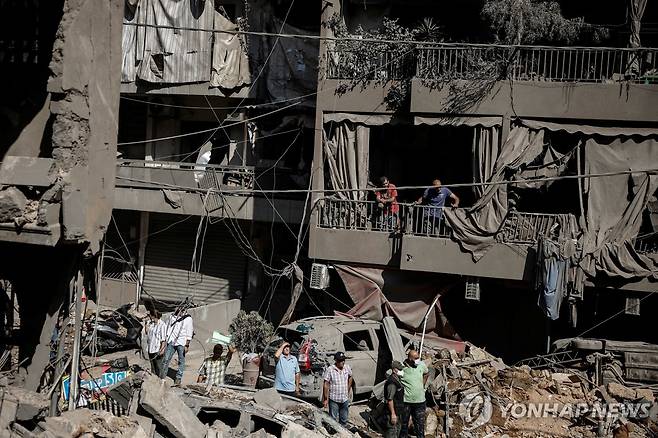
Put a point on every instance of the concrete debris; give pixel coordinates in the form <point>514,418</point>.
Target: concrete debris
<point>168,409</point>
<point>87,423</point>
<point>12,204</point>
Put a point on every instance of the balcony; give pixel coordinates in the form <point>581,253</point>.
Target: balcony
<point>189,188</point>
<point>523,63</point>
<point>419,239</point>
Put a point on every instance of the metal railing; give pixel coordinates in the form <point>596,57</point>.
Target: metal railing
<point>181,176</point>
<point>647,244</point>
<point>387,65</point>
<point>539,63</point>
<point>526,228</point>
<point>472,61</point>
<point>347,214</point>
<point>426,220</point>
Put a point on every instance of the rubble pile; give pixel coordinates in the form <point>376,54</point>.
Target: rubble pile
<point>488,398</point>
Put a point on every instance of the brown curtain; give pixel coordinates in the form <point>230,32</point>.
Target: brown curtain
<point>346,147</point>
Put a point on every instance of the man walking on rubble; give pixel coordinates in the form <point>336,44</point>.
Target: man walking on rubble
<point>286,374</point>
<point>180,330</point>
<point>435,199</point>
<point>335,392</point>
<point>213,368</point>
<point>394,395</point>
<point>155,340</point>
<point>414,378</point>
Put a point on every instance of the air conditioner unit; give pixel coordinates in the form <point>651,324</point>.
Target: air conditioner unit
<point>632,306</point>
<point>472,291</point>
<point>319,276</point>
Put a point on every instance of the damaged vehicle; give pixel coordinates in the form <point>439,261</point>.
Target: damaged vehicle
<point>369,346</point>
<point>116,330</point>
<point>603,360</point>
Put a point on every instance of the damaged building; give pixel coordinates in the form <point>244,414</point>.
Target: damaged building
<point>557,254</point>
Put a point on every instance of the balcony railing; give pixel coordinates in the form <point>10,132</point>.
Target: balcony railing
<point>528,63</point>
<point>540,63</point>
<point>647,244</point>
<point>526,228</point>
<point>387,65</point>
<point>424,220</point>
<point>347,214</point>
<point>181,176</point>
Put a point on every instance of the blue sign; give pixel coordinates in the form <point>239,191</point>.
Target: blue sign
<point>96,385</point>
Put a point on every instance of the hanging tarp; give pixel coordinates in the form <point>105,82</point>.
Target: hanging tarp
<point>230,64</point>
<point>589,130</point>
<point>616,203</point>
<point>487,122</point>
<point>346,147</point>
<point>406,296</point>
<point>475,229</point>
<point>133,13</point>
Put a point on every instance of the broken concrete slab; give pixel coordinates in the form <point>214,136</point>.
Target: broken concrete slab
<point>270,398</point>
<point>620,392</point>
<point>294,430</point>
<point>12,203</point>
<point>168,409</point>
<point>81,422</point>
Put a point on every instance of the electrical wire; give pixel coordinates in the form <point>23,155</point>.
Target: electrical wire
<point>172,137</point>
<point>415,187</point>
<point>192,107</point>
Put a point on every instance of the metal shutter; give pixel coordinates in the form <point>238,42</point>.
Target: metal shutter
<point>168,259</point>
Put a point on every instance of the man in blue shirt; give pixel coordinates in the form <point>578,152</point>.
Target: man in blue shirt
<point>435,199</point>
<point>286,373</point>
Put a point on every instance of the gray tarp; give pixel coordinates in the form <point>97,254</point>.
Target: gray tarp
<point>589,130</point>
<point>475,229</point>
<point>405,296</point>
<point>366,119</point>
<point>175,55</point>
<point>616,204</point>
<point>230,64</point>
<point>635,13</point>
<point>132,37</point>
<point>346,148</point>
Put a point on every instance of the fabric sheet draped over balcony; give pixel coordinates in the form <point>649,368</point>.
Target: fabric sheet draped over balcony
<point>406,296</point>
<point>487,122</point>
<point>346,147</point>
<point>616,203</point>
<point>475,229</point>
<point>177,55</point>
<point>230,64</point>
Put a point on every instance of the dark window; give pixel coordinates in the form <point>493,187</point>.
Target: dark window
<point>358,341</point>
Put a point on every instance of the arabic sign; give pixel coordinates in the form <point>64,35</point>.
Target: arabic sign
<point>96,385</point>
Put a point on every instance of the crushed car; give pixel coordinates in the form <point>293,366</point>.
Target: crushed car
<point>369,346</point>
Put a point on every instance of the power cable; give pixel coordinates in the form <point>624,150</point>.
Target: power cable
<point>375,189</point>
<point>172,137</point>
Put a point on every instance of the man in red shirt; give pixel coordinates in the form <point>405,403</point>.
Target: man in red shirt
<point>387,201</point>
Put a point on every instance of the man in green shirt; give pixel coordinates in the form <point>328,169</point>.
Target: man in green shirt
<point>414,378</point>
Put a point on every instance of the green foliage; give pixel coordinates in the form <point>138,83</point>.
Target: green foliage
<point>250,333</point>
<point>535,22</point>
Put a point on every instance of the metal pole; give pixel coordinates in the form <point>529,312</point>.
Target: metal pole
<point>422,339</point>
<point>75,358</point>
<point>580,182</point>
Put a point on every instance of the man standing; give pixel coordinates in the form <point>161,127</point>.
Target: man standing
<point>415,374</point>
<point>435,199</point>
<point>387,200</point>
<point>335,392</point>
<point>179,334</point>
<point>213,369</point>
<point>394,394</point>
<point>155,340</point>
<point>286,374</point>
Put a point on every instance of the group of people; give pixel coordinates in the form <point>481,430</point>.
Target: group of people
<point>164,339</point>
<point>434,197</point>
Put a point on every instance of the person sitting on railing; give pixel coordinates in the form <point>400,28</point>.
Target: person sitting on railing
<point>387,201</point>
<point>435,199</point>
